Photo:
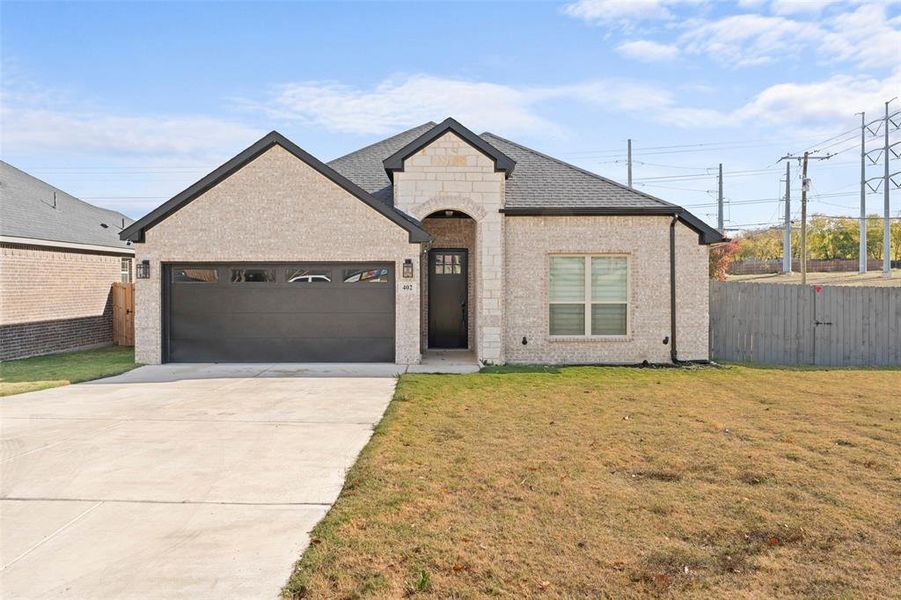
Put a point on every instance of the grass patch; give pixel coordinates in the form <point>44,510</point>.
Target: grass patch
<point>54,370</point>
<point>626,483</point>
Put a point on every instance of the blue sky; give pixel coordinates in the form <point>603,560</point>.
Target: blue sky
<point>125,104</point>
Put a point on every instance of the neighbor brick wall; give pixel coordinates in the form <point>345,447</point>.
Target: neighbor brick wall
<point>451,174</point>
<point>276,208</point>
<point>450,233</point>
<point>530,241</point>
<point>54,299</point>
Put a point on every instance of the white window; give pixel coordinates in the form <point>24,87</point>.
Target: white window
<point>589,295</point>
<point>125,270</point>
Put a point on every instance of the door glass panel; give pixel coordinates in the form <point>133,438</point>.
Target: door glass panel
<point>305,275</point>
<point>195,275</point>
<point>448,264</point>
<point>253,275</point>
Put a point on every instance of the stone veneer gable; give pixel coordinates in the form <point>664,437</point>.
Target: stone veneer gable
<point>449,173</point>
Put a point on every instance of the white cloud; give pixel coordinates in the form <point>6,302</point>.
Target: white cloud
<point>648,51</point>
<point>794,7</point>
<point>743,40</point>
<point>609,11</point>
<point>45,120</point>
<point>763,32</point>
<point>403,101</point>
<point>864,36</point>
<point>34,130</point>
<point>833,99</point>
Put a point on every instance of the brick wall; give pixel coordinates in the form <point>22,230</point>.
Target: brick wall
<point>530,241</point>
<point>53,300</point>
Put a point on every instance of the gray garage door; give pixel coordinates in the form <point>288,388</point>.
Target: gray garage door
<point>336,312</point>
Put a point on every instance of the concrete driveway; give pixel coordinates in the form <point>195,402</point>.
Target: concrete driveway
<point>177,481</point>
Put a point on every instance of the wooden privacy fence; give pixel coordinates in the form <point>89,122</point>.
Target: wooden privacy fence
<point>798,325</point>
<point>124,314</point>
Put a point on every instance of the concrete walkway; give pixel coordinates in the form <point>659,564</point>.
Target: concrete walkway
<point>177,481</point>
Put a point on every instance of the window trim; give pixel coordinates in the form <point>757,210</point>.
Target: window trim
<point>587,301</point>
<point>126,274</point>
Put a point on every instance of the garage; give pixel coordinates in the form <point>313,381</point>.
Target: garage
<point>279,312</point>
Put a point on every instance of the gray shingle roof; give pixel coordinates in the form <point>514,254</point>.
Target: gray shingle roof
<point>364,166</point>
<point>27,211</point>
<point>541,181</point>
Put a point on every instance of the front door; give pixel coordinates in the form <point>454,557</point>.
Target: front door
<point>448,293</point>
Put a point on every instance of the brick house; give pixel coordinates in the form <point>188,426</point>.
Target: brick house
<point>435,238</point>
<point>58,257</point>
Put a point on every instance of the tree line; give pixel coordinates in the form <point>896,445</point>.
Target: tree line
<point>827,238</point>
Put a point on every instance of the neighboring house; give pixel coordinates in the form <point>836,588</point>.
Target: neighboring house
<point>433,238</point>
<point>58,259</point>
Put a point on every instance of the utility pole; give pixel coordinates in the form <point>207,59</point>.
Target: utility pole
<point>863,196</point>
<point>890,123</point>
<point>787,236</point>
<point>629,153</point>
<point>887,217</point>
<point>805,185</point>
<point>719,201</point>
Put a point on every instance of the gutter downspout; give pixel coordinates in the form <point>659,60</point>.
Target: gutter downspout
<point>672,288</point>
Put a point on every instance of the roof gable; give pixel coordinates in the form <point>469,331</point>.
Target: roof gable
<point>502,162</point>
<point>135,232</point>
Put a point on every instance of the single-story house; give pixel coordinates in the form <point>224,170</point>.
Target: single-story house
<point>435,238</point>
<point>59,257</point>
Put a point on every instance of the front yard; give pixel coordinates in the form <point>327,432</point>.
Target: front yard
<point>54,370</point>
<point>614,482</point>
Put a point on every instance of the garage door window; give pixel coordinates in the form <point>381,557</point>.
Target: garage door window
<point>306,275</point>
<point>365,275</point>
<point>253,275</point>
<point>195,275</point>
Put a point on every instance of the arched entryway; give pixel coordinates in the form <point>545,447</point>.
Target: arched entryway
<point>449,281</point>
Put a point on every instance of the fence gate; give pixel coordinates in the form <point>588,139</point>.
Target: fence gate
<point>124,314</point>
<point>795,324</point>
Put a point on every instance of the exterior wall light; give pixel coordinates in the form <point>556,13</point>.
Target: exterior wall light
<point>408,268</point>
<point>142,270</point>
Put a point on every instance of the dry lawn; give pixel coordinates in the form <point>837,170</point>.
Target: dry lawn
<point>622,483</point>
<point>852,278</point>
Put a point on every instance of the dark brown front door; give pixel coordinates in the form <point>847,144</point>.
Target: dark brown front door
<point>448,292</point>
